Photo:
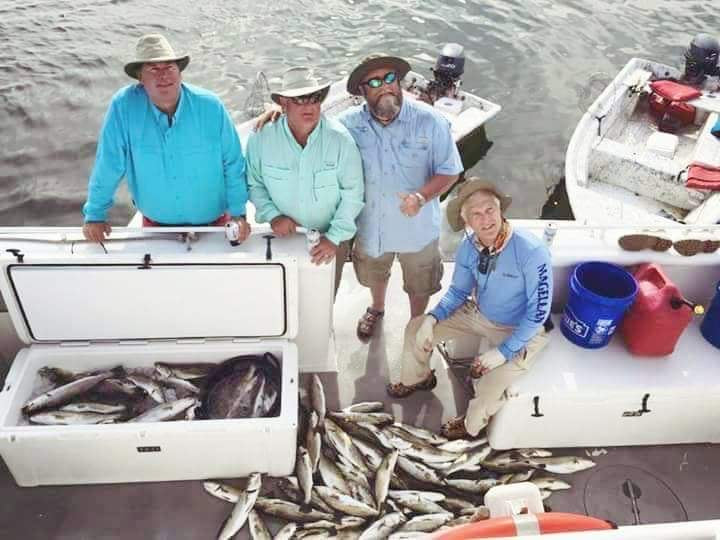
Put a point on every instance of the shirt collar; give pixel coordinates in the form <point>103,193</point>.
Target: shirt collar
<point>313,135</point>
<point>161,116</point>
<point>501,241</point>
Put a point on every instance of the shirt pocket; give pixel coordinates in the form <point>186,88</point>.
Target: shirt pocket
<point>325,187</point>
<point>413,153</point>
<point>271,173</point>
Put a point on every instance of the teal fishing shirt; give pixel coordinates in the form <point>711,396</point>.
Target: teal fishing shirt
<point>516,290</point>
<point>319,186</point>
<point>188,170</point>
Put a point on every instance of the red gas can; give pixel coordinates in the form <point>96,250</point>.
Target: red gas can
<point>652,326</point>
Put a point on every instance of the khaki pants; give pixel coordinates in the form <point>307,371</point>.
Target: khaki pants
<point>490,388</point>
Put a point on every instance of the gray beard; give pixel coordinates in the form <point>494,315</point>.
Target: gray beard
<point>387,107</point>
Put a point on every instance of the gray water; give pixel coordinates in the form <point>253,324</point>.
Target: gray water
<point>542,60</point>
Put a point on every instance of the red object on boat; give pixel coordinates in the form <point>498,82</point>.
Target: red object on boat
<point>700,177</point>
<point>667,103</point>
<point>675,91</point>
<point>524,524</point>
<point>657,318</point>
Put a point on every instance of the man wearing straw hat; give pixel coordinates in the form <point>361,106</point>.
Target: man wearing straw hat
<point>305,170</point>
<point>508,273</point>
<point>409,160</point>
<point>174,143</point>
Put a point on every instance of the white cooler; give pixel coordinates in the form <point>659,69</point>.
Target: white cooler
<point>101,310</point>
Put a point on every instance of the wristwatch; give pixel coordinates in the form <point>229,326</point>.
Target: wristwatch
<point>421,198</point>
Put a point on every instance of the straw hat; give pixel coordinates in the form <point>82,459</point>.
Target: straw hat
<point>372,62</point>
<point>470,186</point>
<point>299,81</point>
<point>154,48</point>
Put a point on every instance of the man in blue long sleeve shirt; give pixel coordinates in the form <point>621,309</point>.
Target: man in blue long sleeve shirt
<point>174,143</point>
<point>509,275</point>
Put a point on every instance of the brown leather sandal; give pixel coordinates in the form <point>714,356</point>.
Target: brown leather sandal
<point>366,324</point>
<point>400,390</point>
<point>454,429</point>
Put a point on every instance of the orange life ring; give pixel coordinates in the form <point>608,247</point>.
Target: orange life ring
<point>524,524</point>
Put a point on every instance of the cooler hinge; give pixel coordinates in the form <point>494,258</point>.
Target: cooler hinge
<point>190,341</point>
<point>246,340</point>
<point>74,343</point>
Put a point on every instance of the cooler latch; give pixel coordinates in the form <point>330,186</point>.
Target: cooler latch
<point>643,408</point>
<point>18,254</point>
<point>147,259</point>
<point>536,406</point>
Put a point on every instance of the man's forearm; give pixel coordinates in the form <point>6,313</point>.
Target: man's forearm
<point>437,185</point>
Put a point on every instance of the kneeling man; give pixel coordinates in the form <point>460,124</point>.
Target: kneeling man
<point>508,273</point>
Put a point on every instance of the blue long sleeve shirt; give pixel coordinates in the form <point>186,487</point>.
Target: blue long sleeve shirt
<point>517,292</point>
<point>188,169</point>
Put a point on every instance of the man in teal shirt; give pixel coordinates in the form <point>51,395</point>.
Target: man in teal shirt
<point>305,170</point>
<point>174,143</point>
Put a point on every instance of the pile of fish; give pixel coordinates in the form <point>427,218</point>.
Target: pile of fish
<point>240,387</point>
<point>361,475</point>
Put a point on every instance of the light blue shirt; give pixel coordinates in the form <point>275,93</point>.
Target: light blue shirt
<point>400,158</point>
<point>516,292</point>
<point>188,171</point>
<point>319,186</point>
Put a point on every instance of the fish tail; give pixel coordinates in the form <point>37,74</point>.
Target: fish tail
<point>305,508</point>
<point>118,372</point>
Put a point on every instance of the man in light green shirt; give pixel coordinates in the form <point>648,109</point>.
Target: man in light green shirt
<point>305,170</point>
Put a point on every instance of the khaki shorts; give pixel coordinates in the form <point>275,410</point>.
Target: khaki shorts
<point>422,270</point>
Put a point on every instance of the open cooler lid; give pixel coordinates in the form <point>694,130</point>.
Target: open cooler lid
<point>55,300</point>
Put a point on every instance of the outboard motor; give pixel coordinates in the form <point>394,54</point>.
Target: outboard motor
<point>447,72</point>
<point>701,59</point>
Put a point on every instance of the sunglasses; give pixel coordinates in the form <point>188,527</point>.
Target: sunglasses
<point>377,82</point>
<point>309,99</point>
<point>487,261</point>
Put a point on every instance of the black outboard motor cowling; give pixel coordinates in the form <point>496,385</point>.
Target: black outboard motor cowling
<point>701,59</point>
<point>447,72</point>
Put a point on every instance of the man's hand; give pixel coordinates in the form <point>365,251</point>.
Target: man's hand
<point>324,252</point>
<point>270,115</point>
<point>486,362</point>
<point>283,226</point>
<point>409,204</point>
<point>96,232</point>
<point>243,229</point>
<point>424,336</point>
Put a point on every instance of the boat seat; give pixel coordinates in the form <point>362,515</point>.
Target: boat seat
<point>644,172</point>
<point>574,397</point>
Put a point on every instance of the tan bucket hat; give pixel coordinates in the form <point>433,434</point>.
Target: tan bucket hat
<point>154,48</point>
<point>372,62</point>
<point>299,81</point>
<point>470,186</point>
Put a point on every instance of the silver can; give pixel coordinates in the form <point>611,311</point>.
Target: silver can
<point>549,233</point>
<point>312,236</point>
<point>232,231</point>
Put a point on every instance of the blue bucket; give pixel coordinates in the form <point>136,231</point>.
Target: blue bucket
<point>710,327</point>
<point>600,293</point>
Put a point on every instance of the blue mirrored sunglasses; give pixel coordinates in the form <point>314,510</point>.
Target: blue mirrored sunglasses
<point>377,82</point>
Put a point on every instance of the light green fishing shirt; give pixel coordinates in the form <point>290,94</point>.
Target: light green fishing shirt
<point>319,186</point>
